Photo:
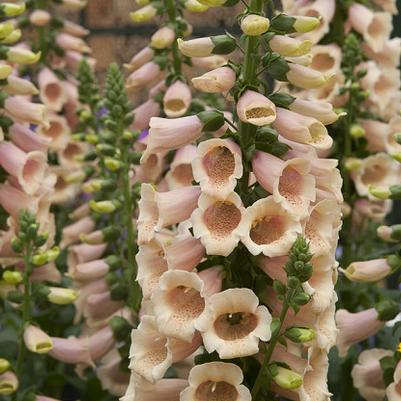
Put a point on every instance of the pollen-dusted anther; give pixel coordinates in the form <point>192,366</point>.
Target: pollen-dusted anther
<point>217,167</point>
<point>233,323</point>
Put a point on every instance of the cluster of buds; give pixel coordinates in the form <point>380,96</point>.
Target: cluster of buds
<point>237,240</point>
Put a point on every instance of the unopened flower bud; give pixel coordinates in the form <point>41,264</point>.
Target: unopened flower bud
<point>5,71</point>
<point>390,233</point>
<point>8,383</point>
<point>357,131</point>
<point>255,25</point>
<point>120,327</point>
<point>61,296</point>
<point>300,334</point>
<point>4,365</point>
<point>204,47</point>
<point>112,164</point>
<point>12,38</point>
<point>12,277</point>
<point>20,55</point>
<point>285,378</point>
<point>12,9</point>
<point>285,24</point>
<point>36,340</point>
<point>353,163</point>
<point>40,259</point>
<point>104,207</point>
<point>195,6</point>
<point>144,14</point>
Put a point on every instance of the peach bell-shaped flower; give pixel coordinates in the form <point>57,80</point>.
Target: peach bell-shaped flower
<point>233,322</point>
<point>368,271</point>
<point>180,299</point>
<point>307,78</point>
<point>303,129</point>
<point>393,391</point>
<point>163,390</point>
<point>374,27</point>
<point>144,113</point>
<point>322,226</point>
<point>27,140</point>
<point>356,327</point>
<point>289,47</point>
<point>180,172</point>
<point>289,181</point>
<point>219,224</point>
<point>111,377</point>
<point>271,230</point>
<point>139,59</point>
<point>51,89</point>
<point>13,200</point>
<point>69,42</point>
<point>70,350</point>
<point>58,131</point>
<point>152,264</point>
<point>326,59</point>
<point>73,232</point>
<point>322,9</point>
<point>162,209</point>
<point>177,99</point>
<point>321,111</point>
<point>217,167</point>
<point>388,57</point>
<point>215,380</point>
<point>219,80</point>
<point>254,108</point>
<point>183,252</point>
<point>28,168</point>
<point>36,340</point>
<point>167,134</point>
<point>22,110</point>
<point>143,76</point>
<point>378,170</point>
<point>367,375</point>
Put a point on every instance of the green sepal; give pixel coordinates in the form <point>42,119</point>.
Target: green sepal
<point>120,327</point>
<point>388,365</point>
<point>282,24</point>
<point>113,261</point>
<point>282,99</point>
<point>212,120</point>
<point>387,310</point>
<point>223,44</point>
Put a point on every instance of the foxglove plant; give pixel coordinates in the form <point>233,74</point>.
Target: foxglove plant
<point>30,282</point>
<point>259,231</point>
<point>368,92</point>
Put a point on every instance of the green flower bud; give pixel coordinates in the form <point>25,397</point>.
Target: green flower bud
<point>53,253</point>
<point>12,277</point>
<point>300,334</point>
<point>12,9</point>
<point>387,310</point>
<point>286,378</point>
<point>104,207</point>
<point>112,164</point>
<point>212,120</point>
<point>121,328</point>
<point>301,299</point>
<point>40,259</point>
<point>15,297</point>
<point>357,131</point>
<point>113,261</point>
<point>4,365</point>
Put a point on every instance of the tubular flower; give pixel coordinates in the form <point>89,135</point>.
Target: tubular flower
<point>177,99</point>
<point>180,300</point>
<point>219,224</point>
<point>302,129</point>
<point>271,230</point>
<point>233,322</point>
<point>256,109</point>
<point>367,374</point>
<point>290,182</point>
<point>216,379</point>
<point>162,209</point>
<point>217,167</point>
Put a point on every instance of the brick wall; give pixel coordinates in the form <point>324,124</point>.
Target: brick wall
<point>115,38</point>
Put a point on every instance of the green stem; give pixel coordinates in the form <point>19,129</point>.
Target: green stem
<point>172,15</point>
<point>249,78</point>
<point>272,345</point>
<point>26,307</point>
<point>128,214</point>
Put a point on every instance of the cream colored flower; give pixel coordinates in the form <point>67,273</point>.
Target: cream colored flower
<point>217,167</point>
<point>219,224</point>
<point>272,230</point>
<point>180,299</point>
<point>215,381</point>
<point>233,322</point>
